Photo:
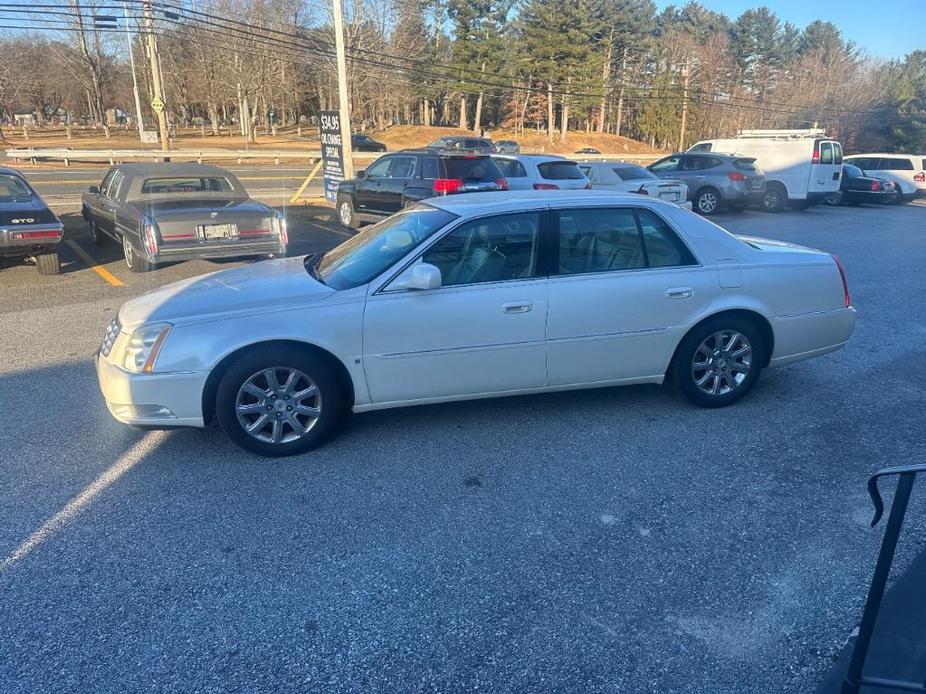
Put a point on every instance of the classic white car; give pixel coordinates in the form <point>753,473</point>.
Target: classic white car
<point>472,296</point>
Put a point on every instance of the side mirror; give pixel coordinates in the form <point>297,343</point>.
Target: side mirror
<point>361,174</point>
<point>420,276</point>
<point>94,190</point>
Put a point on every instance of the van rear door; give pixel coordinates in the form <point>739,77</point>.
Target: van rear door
<point>826,167</point>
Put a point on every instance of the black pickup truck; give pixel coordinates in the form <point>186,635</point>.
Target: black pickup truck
<point>399,179</point>
<point>28,229</point>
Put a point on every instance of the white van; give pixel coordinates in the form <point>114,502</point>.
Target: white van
<point>908,171</point>
<point>801,166</point>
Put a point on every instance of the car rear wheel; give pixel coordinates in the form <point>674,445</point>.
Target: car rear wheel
<point>775,198</point>
<point>347,215</point>
<point>278,401</point>
<point>707,201</point>
<point>133,260</point>
<point>719,361</point>
<point>48,263</point>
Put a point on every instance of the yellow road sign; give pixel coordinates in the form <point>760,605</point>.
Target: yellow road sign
<point>157,104</point>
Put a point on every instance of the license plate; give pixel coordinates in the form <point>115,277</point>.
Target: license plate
<point>671,197</point>
<point>756,183</point>
<point>219,231</point>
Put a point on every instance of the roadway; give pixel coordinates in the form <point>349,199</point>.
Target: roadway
<point>61,187</point>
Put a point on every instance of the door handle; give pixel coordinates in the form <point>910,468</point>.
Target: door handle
<point>517,307</point>
<point>679,293</point>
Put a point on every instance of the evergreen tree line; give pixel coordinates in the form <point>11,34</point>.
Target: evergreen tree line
<point>615,66</point>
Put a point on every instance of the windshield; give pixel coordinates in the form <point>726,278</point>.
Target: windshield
<point>13,187</point>
<point>361,258</point>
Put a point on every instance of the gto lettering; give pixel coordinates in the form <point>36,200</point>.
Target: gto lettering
<point>24,220</point>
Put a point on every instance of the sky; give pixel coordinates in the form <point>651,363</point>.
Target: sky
<point>884,30</point>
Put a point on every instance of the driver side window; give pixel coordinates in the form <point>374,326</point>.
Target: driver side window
<point>379,168</point>
<point>493,249</point>
<point>668,164</point>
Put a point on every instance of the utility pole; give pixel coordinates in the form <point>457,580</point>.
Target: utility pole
<point>686,73</point>
<point>157,103</point>
<point>343,102</point>
<point>129,37</point>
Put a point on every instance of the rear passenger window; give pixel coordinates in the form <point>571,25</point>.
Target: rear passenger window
<point>511,168</point>
<point>600,240</point>
<point>826,153</point>
<point>429,168</point>
<point>560,171</point>
<point>897,164</point>
<point>837,153</point>
<point>663,246</point>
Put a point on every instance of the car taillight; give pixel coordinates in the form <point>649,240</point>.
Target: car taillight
<point>920,177</point>
<point>641,190</point>
<point>443,186</point>
<point>815,159</point>
<point>847,300</point>
<point>150,238</point>
<point>875,185</point>
<point>501,183</point>
<point>50,234</point>
<point>546,186</point>
<point>736,176</point>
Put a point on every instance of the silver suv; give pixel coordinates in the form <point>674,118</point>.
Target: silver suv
<point>715,181</point>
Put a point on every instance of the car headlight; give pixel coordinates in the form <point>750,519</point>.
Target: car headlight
<point>139,351</point>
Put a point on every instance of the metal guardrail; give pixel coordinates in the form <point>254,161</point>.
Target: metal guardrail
<point>113,156</point>
<point>855,679</point>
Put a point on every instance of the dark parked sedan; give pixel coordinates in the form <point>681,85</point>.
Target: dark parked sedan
<point>364,143</point>
<point>28,229</point>
<point>168,212</point>
<point>857,187</point>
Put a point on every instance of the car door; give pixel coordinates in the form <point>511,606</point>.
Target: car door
<point>402,169</point>
<point>825,171</point>
<point>95,200</point>
<point>482,331</point>
<point>625,288</point>
<point>109,203</point>
<point>368,191</point>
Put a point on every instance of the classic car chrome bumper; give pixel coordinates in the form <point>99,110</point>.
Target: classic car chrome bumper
<point>168,253</point>
<point>21,238</point>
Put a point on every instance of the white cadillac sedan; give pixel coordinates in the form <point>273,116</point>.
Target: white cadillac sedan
<point>472,296</point>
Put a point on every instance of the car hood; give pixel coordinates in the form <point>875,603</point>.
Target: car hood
<point>253,288</point>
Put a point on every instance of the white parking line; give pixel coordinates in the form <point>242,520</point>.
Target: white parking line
<point>123,464</point>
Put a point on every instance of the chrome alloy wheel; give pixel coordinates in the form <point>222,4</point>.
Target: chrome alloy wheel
<point>722,362</point>
<point>707,202</point>
<point>128,251</point>
<point>278,405</point>
<point>345,213</point>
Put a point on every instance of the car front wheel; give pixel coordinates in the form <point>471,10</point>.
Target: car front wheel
<point>719,361</point>
<point>347,215</point>
<point>278,401</point>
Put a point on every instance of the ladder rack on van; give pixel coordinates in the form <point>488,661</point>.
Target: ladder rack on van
<point>786,134</point>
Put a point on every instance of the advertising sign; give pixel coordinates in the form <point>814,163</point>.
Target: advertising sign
<point>329,132</point>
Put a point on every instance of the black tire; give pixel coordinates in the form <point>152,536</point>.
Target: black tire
<point>48,263</point>
<point>799,205</point>
<point>317,372</point>
<point>900,200</point>
<point>718,366</point>
<point>776,197</point>
<point>134,261</point>
<point>347,213</point>
<point>707,201</point>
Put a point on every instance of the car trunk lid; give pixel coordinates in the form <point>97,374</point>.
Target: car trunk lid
<point>207,220</point>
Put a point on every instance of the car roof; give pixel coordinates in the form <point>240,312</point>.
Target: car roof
<point>191,169</point>
<point>520,200</point>
<point>440,152</point>
<point>7,170</point>
<point>884,154</point>
<point>536,158</point>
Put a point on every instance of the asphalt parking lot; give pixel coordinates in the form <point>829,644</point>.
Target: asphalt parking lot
<point>616,540</point>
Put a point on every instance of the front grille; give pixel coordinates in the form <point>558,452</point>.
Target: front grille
<point>112,332</point>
